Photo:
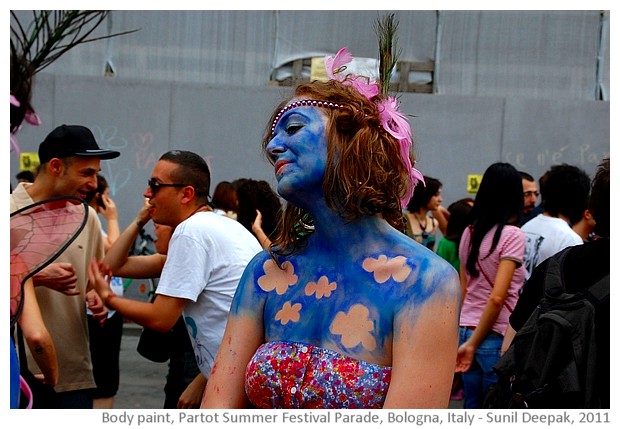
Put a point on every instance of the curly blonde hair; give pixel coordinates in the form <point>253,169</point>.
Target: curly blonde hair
<point>365,174</point>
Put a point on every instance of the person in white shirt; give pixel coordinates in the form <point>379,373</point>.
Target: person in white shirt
<point>206,257</point>
<point>565,196</point>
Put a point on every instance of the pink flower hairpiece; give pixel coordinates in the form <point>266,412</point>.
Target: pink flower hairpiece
<point>31,117</point>
<point>335,68</point>
<point>397,125</point>
<point>392,120</point>
<point>15,102</point>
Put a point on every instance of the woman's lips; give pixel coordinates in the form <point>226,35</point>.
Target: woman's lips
<point>279,165</point>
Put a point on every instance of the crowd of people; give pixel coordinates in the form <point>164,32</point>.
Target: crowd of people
<point>347,286</point>
<point>497,241</point>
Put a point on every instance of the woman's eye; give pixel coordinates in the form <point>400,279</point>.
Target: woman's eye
<point>292,128</point>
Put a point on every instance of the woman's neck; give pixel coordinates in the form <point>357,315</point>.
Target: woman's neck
<point>421,213</point>
<point>332,230</point>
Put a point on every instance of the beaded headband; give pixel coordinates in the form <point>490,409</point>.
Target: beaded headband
<point>299,103</point>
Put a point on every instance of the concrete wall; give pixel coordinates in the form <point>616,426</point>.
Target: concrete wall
<point>454,135</point>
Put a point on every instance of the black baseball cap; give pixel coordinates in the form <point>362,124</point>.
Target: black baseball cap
<point>72,140</point>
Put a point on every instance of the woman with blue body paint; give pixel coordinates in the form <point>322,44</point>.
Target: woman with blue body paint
<point>343,310</point>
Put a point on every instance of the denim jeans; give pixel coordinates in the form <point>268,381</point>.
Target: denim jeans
<point>480,375</point>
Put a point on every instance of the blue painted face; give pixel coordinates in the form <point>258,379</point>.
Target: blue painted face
<point>299,151</point>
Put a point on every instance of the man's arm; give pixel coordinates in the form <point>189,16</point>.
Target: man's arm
<point>117,259</point>
<point>59,276</point>
<point>159,315</point>
<point>96,306</point>
<point>192,395</point>
<point>37,336</point>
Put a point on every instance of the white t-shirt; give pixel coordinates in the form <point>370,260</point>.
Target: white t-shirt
<point>544,237</point>
<point>206,258</point>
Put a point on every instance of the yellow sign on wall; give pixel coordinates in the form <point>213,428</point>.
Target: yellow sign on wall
<point>473,183</point>
<point>28,161</point>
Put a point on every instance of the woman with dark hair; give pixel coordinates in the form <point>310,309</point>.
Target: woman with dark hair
<point>419,222</point>
<point>225,199</point>
<point>259,209</point>
<point>99,199</point>
<point>448,246</point>
<point>343,311</point>
<point>492,272</point>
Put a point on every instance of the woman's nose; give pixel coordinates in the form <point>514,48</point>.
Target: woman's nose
<point>275,147</point>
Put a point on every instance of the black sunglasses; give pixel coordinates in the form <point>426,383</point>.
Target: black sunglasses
<point>155,186</point>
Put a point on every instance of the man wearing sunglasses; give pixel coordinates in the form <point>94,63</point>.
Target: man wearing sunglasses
<point>206,258</point>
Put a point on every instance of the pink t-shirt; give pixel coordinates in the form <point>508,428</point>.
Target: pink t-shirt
<point>511,246</point>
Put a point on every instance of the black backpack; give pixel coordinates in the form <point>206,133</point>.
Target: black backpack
<point>551,362</point>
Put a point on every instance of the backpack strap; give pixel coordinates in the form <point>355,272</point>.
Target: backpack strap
<point>554,280</point>
<point>599,291</point>
<point>554,274</point>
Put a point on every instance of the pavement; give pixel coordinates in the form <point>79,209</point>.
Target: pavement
<point>142,381</point>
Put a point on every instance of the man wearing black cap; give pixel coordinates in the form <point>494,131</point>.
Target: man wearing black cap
<point>70,160</point>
